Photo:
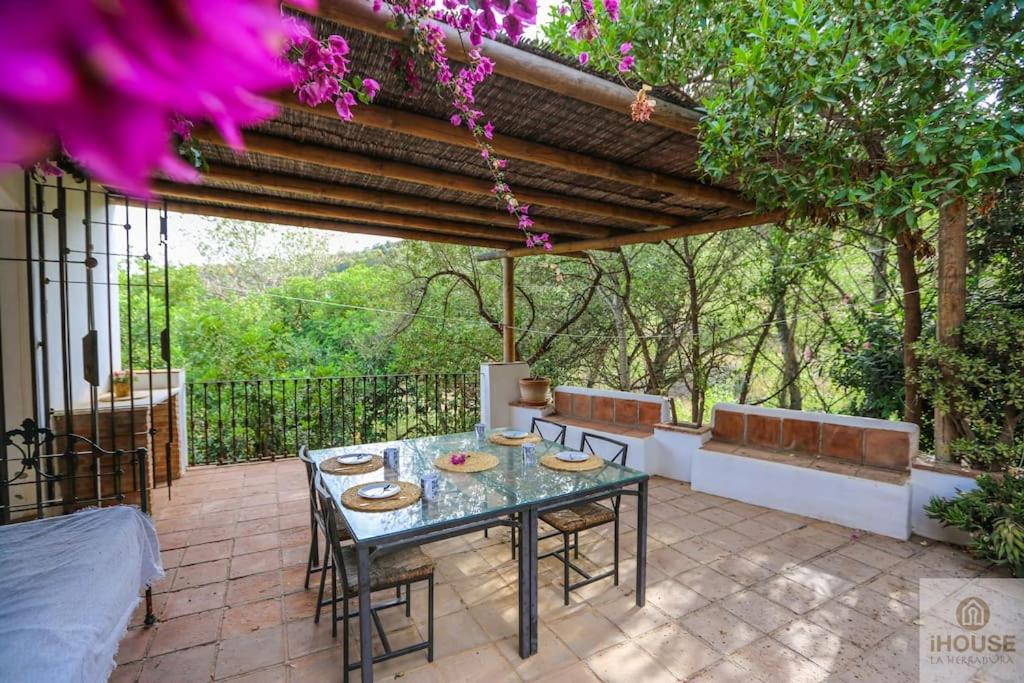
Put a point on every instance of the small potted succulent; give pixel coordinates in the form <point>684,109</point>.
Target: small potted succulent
<point>121,384</point>
<point>534,391</point>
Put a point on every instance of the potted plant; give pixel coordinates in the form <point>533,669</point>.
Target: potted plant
<point>121,384</point>
<point>533,391</point>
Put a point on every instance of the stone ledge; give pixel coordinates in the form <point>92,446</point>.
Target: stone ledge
<point>638,431</point>
<point>927,464</point>
<point>682,428</point>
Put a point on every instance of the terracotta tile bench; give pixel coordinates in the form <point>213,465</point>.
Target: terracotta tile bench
<point>859,447</point>
<point>847,470</point>
<point>612,412</point>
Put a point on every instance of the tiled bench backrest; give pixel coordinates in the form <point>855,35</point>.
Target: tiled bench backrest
<point>863,441</point>
<point>616,407</point>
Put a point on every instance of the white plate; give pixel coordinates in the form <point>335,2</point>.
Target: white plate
<point>354,458</point>
<point>572,456</point>
<point>514,434</point>
<point>379,490</point>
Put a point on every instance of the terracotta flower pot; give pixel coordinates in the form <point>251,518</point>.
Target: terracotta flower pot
<point>121,389</point>
<point>534,390</point>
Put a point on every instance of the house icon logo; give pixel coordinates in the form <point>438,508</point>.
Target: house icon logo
<point>972,614</point>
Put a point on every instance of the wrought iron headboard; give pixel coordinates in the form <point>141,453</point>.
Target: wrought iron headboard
<point>67,472</point>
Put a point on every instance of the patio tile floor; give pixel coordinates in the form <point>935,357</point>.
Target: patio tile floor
<point>735,593</point>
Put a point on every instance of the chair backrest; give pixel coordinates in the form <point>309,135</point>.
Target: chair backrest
<point>548,430</point>
<point>609,449</point>
<point>311,472</point>
<point>332,517</point>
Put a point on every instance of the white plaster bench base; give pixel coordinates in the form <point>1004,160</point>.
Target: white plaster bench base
<point>875,506</point>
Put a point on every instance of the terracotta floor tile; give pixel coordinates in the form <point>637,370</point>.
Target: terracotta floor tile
<point>720,629</point>
<point>207,552</point>
<point>183,666</point>
<point>587,633</point>
<point>850,624</point>
<point>553,656</point>
<point>678,651</point>
<point>184,632</point>
<point>252,616</point>
<point>477,664</point>
<point>817,644</point>
<point>628,663</point>
<point>770,660</point>
<point>249,652</point>
<point>133,645</point>
<point>790,594</point>
<point>632,620</point>
<point>456,632</point>
<point>577,673</point>
<point>674,599</point>
<point>200,574</point>
<point>192,600</point>
<point>321,667</point>
<point>305,637</point>
<point>255,587</point>
<point>757,610</point>
<point>709,583</point>
<point>255,563</point>
<point>245,544</point>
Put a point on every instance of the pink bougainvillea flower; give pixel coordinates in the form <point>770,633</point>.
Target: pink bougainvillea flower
<point>371,87</point>
<point>457,458</point>
<point>105,80</point>
<point>625,48</point>
<point>344,105</point>
<point>626,63</point>
<point>489,130</point>
<point>584,57</point>
<point>612,8</point>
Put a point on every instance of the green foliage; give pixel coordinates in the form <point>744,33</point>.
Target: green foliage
<point>993,514</point>
<point>872,365</point>
<point>980,384</point>
<point>877,107</point>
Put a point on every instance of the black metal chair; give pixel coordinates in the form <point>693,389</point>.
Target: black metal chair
<point>387,570</point>
<point>548,430</point>
<point>316,524</point>
<point>576,518</point>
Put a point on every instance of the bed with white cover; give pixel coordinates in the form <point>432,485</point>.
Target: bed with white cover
<point>68,588</point>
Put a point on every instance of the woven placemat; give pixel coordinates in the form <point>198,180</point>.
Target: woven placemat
<point>332,466</point>
<point>409,494</point>
<point>503,441</point>
<point>551,461</point>
<point>475,462</point>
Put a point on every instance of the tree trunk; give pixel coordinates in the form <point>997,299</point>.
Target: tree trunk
<point>911,324</point>
<point>952,286</point>
<point>791,364</point>
<point>699,391</point>
<point>748,373</point>
<point>878,253</point>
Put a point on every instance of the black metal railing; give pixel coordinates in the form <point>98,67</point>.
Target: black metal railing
<point>239,420</point>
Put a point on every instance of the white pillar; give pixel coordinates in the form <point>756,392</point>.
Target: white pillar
<point>499,386</point>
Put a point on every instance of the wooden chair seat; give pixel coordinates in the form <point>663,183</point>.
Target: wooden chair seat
<point>388,569</point>
<point>579,517</point>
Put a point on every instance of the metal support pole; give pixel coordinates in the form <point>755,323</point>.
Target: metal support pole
<point>641,544</point>
<point>508,309</point>
<point>365,641</point>
<point>528,582</point>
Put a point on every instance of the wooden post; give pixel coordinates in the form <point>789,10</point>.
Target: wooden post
<point>952,286</point>
<point>508,321</point>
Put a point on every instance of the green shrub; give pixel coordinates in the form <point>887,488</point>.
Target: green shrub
<point>980,385</point>
<point>993,514</point>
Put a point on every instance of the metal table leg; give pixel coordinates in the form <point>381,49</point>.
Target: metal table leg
<point>641,545</point>
<point>528,582</point>
<point>365,615</point>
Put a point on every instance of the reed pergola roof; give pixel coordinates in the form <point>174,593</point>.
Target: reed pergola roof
<point>593,178</point>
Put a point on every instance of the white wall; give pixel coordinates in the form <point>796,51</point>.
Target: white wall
<point>926,484</point>
<point>499,386</point>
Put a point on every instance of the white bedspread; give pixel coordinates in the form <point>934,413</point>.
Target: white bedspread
<point>68,587</point>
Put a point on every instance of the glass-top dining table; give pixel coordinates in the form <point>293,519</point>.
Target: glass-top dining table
<point>465,503</point>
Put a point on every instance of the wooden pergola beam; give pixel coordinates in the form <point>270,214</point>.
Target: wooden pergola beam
<point>427,128</point>
<point>695,228</point>
<point>243,214</point>
<point>299,207</point>
<point>318,190</point>
<point>355,163</point>
<point>516,64</point>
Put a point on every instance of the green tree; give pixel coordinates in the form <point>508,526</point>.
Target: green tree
<point>880,110</point>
